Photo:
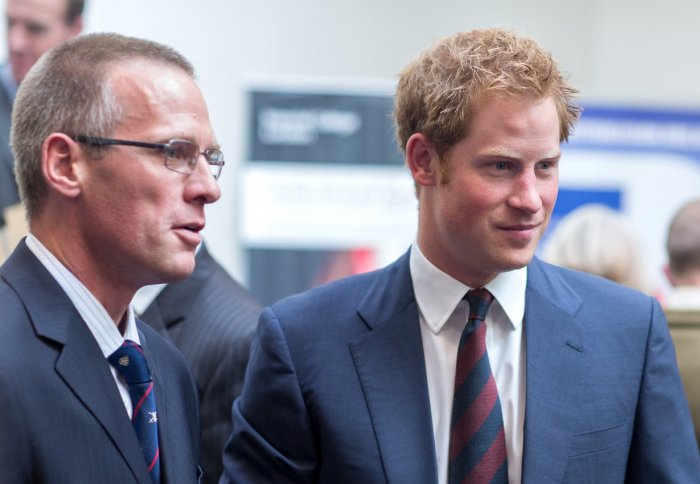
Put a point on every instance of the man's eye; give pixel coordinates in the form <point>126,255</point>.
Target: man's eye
<point>36,29</point>
<point>501,165</point>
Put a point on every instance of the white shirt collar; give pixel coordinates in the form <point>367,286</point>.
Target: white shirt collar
<point>438,293</point>
<point>145,296</point>
<point>90,309</point>
<point>683,298</point>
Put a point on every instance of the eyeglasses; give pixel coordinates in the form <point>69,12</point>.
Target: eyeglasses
<point>180,155</point>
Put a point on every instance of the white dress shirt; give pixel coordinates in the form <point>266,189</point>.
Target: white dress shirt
<point>98,321</point>
<point>443,315</point>
<point>683,298</point>
<point>145,296</point>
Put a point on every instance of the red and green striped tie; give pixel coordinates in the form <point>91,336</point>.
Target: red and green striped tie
<point>477,438</point>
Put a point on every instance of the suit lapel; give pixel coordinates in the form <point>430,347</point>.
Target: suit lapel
<point>391,367</point>
<point>80,362</point>
<point>94,385</point>
<point>556,368</point>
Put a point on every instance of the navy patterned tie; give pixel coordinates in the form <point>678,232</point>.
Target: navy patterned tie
<point>131,364</point>
<point>477,438</point>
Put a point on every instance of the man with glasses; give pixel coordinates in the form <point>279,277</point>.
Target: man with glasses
<point>32,28</point>
<point>116,160</point>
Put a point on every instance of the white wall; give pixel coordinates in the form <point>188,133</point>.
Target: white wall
<point>622,51</point>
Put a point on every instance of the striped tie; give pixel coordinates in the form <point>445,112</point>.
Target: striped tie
<point>131,364</point>
<point>477,439</point>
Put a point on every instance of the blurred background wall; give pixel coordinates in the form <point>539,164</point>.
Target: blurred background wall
<point>618,52</point>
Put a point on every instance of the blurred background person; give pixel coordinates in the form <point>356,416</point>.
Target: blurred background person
<point>32,28</point>
<point>683,267</point>
<point>596,239</point>
<point>211,318</point>
<point>682,302</point>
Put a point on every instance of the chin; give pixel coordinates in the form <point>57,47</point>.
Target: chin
<point>518,262</point>
<point>183,271</point>
<point>179,270</point>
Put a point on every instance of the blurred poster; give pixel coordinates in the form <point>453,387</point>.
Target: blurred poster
<point>647,160</point>
<point>324,192</point>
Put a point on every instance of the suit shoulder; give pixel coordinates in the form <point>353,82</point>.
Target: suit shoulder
<point>572,285</point>
<point>16,328</point>
<point>594,282</point>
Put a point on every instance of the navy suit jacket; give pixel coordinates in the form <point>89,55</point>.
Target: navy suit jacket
<point>336,389</point>
<point>61,416</point>
<point>212,320</point>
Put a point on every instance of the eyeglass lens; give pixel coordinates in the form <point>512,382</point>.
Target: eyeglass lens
<point>184,154</point>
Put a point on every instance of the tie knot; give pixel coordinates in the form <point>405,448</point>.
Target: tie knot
<point>130,363</point>
<point>479,302</point>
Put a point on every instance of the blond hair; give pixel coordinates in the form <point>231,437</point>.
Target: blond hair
<point>438,92</point>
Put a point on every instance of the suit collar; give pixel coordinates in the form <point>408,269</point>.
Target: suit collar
<point>557,359</point>
<point>80,362</point>
<point>40,293</point>
<point>390,293</point>
<point>389,362</point>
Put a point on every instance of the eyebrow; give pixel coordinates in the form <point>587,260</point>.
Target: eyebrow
<point>512,155</point>
<point>214,146</point>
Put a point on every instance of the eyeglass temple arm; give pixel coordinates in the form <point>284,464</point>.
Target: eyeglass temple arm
<point>95,141</point>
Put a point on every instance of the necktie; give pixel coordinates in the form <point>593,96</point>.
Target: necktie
<point>477,438</point>
<point>131,364</point>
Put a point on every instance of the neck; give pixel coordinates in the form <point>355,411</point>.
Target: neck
<point>114,297</point>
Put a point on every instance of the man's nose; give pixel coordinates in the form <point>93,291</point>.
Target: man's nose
<point>16,37</point>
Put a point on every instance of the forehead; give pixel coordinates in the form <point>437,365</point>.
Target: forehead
<point>152,94</point>
<point>149,81</point>
<point>38,10</point>
<point>516,113</point>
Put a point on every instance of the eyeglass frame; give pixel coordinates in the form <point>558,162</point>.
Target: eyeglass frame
<point>99,141</point>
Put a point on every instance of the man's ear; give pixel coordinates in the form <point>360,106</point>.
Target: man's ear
<point>669,275</point>
<point>61,164</point>
<point>422,160</point>
<point>76,26</point>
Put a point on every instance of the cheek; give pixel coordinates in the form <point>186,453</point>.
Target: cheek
<point>467,212</point>
<point>549,195</point>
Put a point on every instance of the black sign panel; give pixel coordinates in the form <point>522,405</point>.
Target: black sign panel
<point>322,128</point>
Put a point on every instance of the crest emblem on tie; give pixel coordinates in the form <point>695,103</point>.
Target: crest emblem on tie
<point>124,361</point>
<point>154,417</point>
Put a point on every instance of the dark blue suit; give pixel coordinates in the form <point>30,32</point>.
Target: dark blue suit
<point>62,418</point>
<point>336,388</point>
